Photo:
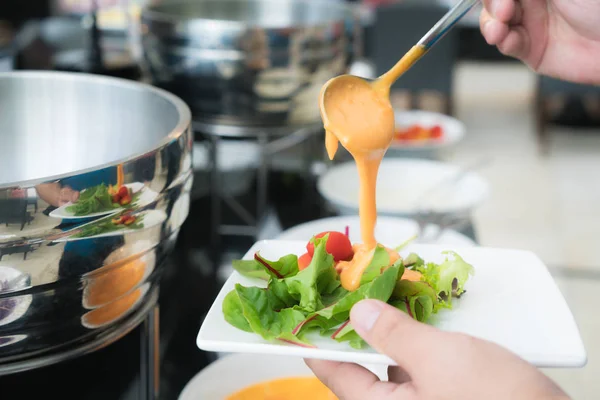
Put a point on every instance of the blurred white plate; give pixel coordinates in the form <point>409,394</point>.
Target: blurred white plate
<point>400,184</point>
<point>147,196</point>
<point>453,130</point>
<point>389,231</point>
<point>511,300</point>
<point>235,372</point>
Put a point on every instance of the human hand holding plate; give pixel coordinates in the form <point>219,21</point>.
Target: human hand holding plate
<point>432,364</point>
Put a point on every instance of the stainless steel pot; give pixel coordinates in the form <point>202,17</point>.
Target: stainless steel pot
<point>249,62</point>
<point>75,274</point>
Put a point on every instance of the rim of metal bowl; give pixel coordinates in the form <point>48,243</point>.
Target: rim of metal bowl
<point>183,124</point>
<point>156,12</point>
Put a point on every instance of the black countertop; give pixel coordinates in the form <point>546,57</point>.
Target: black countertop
<point>191,285</point>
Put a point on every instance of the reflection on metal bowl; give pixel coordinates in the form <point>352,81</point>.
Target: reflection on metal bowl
<point>249,62</point>
<point>8,340</point>
<point>115,310</point>
<point>95,174</point>
<point>13,307</point>
<point>117,279</point>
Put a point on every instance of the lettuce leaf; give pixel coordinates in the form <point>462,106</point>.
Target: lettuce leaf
<point>405,288</point>
<point>320,277</point>
<point>379,261</point>
<point>317,322</point>
<point>286,266</point>
<point>330,298</point>
<point>262,318</point>
<point>234,313</point>
<point>290,338</point>
<point>346,333</point>
<point>251,269</point>
<point>418,299</point>
<point>448,278</point>
<point>418,307</point>
<point>264,269</point>
<point>380,288</point>
<point>413,261</point>
<point>279,295</point>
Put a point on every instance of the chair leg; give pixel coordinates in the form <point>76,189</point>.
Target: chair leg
<point>413,101</point>
<point>450,105</point>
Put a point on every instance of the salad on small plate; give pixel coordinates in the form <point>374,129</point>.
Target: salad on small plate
<point>120,223</point>
<point>294,298</point>
<point>315,292</point>
<point>105,199</point>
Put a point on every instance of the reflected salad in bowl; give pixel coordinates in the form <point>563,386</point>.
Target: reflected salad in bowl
<point>103,198</point>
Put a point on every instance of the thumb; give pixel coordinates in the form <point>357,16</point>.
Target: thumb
<point>395,334</point>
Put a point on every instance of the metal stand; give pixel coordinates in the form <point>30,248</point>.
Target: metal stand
<point>270,142</point>
<point>149,356</point>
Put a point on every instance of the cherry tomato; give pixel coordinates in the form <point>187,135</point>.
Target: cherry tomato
<point>123,191</point>
<point>338,245</point>
<point>436,132</point>
<point>304,260</point>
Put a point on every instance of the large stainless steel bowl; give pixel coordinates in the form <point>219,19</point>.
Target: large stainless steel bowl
<point>249,62</point>
<point>74,279</point>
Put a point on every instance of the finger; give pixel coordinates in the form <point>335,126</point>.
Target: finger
<point>492,30</point>
<point>515,44</point>
<point>517,15</point>
<point>501,10</point>
<point>392,332</point>
<point>398,375</point>
<point>64,196</point>
<point>350,381</point>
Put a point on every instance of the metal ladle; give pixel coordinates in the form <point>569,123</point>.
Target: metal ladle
<point>383,84</point>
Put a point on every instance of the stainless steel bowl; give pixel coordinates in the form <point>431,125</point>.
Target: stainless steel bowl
<point>74,275</point>
<point>249,62</point>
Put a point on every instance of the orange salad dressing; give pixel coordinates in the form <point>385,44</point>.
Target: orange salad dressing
<point>359,115</point>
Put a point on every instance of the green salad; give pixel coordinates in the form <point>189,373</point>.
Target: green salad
<point>113,224</point>
<point>102,198</point>
<point>298,301</point>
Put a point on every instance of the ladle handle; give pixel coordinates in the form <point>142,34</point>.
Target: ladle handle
<point>446,23</point>
<point>385,81</point>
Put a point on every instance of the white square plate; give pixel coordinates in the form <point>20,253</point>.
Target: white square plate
<point>511,300</point>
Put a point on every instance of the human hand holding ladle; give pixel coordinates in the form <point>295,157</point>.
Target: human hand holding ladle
<point>358,113</point>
